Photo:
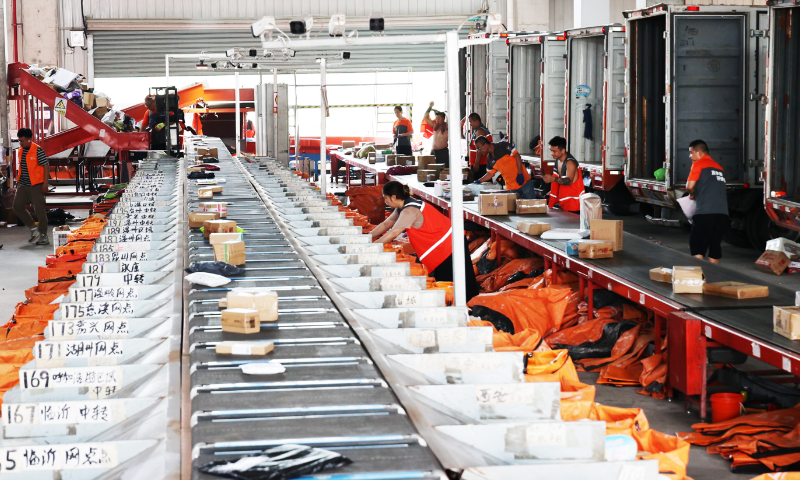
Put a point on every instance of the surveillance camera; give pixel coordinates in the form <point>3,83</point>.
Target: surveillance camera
<point>494,23</point>
<point>376,22</point>
<point>253,52</point>
<point>336,25</point>
<point>346,55</point>
<point>299,26</point>
<point>263,26</point>
<point>214,65</point>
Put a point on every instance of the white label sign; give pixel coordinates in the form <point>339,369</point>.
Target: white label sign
<point>142,256</point>
<point>52,350</point>
<point>70,377</point>
<point>96,309</point>
<point>60,413</point>
<point>126,238</point>
<point>399,283</point>
<point>373,258</point>
<point>546,435</point>
<point>504,394</point>
<point>432,316</point>
<point>108,328</point>
<point>103,293</point>
<point>58,457</point>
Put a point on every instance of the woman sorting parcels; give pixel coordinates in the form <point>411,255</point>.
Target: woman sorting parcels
<point>429,233</point>
<point>504,158</point>
<point>566,182</point>
<point>706,185</point>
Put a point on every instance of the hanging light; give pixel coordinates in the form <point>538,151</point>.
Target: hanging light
<point>201,65</point>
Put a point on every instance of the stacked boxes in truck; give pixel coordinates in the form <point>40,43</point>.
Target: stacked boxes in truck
<point>595,109</point>
<point>782,185</point>
<point>536,70</point>
<point>487,83</point>
<point>693,72</point>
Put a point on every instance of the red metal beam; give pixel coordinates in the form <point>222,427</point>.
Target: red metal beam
<point>228,95</point>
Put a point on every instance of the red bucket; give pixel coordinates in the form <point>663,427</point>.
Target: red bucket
<point>726,406</point>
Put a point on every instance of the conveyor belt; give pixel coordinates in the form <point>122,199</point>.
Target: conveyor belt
<point>330,388</point>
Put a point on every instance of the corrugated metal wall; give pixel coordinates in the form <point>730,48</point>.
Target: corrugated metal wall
<point>122,46</point>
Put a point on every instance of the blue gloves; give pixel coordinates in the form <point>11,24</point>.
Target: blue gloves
<point>477,182</point>
<point>520,179</point>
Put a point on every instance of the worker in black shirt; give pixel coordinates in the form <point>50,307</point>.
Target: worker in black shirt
<point>33,172</point>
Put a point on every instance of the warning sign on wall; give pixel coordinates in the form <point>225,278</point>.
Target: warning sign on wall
<point>61,106</point>
<point>274,102</point>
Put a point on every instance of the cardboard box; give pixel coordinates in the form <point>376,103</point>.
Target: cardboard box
<point>596,249</point>
<point>99,112</point>
<point>422,175</point>
<point>228,251</point>
<point>794,267</point>
<point>205,193</point>
<point>208,152</point>
<point>736,290</point>
<point>88,101</point>
<point>220,238</point>
<point>221,226</point>
<point>216,189</point>
<point>790,248</point>
<point>240,320</point>
<point>391,160</point>
<point>101,102</point>
<point>661,274</point>
<point>348,144</point>
<point>215,207</point>
<point>425,160</point>
<point>265,302</point>
<point>436,166</point>
<point>372,158</point>
<point>489,204</point>
<point>687,279</point>
<point>607,230</point>
<point>786,322</point>
<point>528,207</point>
<point>401,160</point>
<point>772,262</point>
<point>244,348</point>
<point>532,227</point>
<point>196,169</point>
<point>198,219</point>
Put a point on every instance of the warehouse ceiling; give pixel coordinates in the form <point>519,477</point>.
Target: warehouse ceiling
<point>146,58</point>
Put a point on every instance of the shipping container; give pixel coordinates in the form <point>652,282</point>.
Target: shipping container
<point>696,72</point>
<point>536,72</point>
<point>595,109</point>
<point>782,170</point>
<point>487,82</point>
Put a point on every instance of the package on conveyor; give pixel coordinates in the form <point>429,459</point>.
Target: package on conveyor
<point>688,280</point>
<point>424,160</point>
<point>607,230</point>
<point>205,192</point>
<point>391,160</point>
<point>426,175</point>
<point>445,174</point>
<point>591,209</point>
<point>265,302</point>
<point>372,157</point>
<point>528,207</point>
<point>241,320</point>
<point>348,144</point>
<point>436,166</point>
<point>591,249</point>
<point>492,203</point>
<point>773,261</point>
<point>661,274</point>
<point>217,207</point>
<point>218,226</point>
<point>198,219</point>
<point>786,321</point>
<point>736,290</point>
<point>244,348</point>
<point>230,251</point>
<point>208,152</point>
<point>533,227</point>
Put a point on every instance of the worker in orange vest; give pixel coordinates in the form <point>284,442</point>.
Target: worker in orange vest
<point>33,171</point>
<point>566,182</point>
<point>429,232</point>
<point>150,103</point>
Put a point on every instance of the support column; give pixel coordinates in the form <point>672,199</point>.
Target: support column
<point>590,13</point>
<point>323,138</point>
<point>238,119</point>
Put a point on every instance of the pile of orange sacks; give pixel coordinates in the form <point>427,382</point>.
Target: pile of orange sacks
<point>27,325</point>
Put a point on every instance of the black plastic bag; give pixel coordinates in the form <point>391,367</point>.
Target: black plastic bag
<point>218,268</point>
<point>57,216</point>
<point>279,463</point>
<point>602,298</point>
<point>602,347</point>
<point>500,321</point>
<point>201,175</point>
<point>484,264</point>
<point>522,275</point>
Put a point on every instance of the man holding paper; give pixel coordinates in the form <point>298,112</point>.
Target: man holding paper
<point>706,185</point>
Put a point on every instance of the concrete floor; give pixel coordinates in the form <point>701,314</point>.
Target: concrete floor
<point>19,261</point>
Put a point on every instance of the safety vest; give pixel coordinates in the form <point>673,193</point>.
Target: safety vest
<point>567,195</point>
<point>433,242</point>
<point>35,171</point>
<point>473,150</point>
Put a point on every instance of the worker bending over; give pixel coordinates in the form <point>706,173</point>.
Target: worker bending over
<point>477,160</point>
<point>33,172</point>
<point>150,104</point>
<point>440,135</point>
<point>429,232</point>
<point>566,182</point>
<point>706,186</point>
<point>506,160</point>
<point>402,132</point>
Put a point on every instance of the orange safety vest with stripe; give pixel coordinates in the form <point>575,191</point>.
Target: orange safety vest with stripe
<point>473,150</point>
<point>35,171</point>
<point>567,195</point>
<point>433,242</point>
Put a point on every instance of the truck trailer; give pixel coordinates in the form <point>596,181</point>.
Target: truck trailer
<point>782,170</point>
<point>536,70</point>
<point>487,83</point>
<point>595,110</point>
<point>696,72</point>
